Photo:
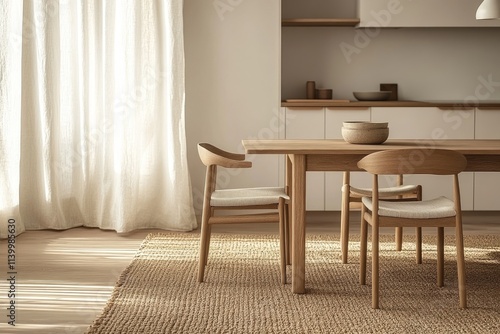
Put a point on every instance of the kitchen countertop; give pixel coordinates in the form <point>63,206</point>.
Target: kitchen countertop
<point>493,104</point>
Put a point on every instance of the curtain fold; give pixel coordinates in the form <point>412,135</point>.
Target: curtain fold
<point>11,31</point>
<point>102,139</point>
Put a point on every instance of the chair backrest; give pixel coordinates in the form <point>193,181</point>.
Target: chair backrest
<point>414,161</point>
<point>211,155</point>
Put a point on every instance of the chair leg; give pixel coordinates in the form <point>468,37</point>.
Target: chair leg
<point>460,264</point>
<point>281,209</point>
<point>363,248</point>
<point>204,244</point>
<point>418,244</point>
<point>375,266</point>
<point>288,227</point>
<point>440,256</point>
<point>344,226</point>
<point>207,244</point>
<point>398,233</point>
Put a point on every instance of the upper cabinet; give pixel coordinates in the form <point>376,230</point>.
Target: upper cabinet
<point>421,13</point>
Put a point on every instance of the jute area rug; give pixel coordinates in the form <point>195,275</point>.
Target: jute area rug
<point>159,292</point>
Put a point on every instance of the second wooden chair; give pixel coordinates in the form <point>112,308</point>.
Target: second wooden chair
<point>439,212</point>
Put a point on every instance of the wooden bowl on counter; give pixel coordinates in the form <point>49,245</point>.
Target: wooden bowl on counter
<point>372,96</point>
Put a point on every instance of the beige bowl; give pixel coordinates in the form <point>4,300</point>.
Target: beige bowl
<point>365,136</point>
<point>372,96</point>
<point>360,125</point>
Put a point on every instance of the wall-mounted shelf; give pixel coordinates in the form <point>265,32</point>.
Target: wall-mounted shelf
<point>313,22</point>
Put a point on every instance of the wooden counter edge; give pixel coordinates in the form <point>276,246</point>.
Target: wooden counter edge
<point>368,104</point>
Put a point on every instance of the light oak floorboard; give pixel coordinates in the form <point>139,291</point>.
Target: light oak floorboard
<point>64,278</point>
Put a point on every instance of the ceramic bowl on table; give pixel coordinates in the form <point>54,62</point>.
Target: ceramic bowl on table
<point>355,132</point>
<point>362,125</point>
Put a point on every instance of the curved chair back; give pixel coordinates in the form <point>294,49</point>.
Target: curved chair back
<point>414,161</point>
<point>211,155</point>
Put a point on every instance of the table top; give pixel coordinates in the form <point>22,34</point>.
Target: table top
<point>332,146</point>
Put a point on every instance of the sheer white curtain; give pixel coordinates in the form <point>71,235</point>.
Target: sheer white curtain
<point>92,98</point>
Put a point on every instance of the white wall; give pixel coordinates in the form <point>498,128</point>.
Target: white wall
<point>232,52</point>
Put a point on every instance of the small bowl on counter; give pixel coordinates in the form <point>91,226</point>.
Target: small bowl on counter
<point>355,132</point>
<point>372,96</point>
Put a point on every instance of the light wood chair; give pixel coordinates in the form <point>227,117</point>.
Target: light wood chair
<point>271,203</point>
<point>351,200</point>
<point>439,212</point>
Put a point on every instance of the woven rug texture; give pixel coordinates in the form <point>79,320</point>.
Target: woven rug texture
<point>159,292</point>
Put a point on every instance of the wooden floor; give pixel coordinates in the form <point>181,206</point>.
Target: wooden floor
<point>64,278</point>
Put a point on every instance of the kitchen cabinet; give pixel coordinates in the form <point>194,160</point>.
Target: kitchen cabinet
<point>386,14</point>
<point>487,123</point>
<point>421,13</point>
<point>432,123</point>
<point>427,122</point>
<point>486,185</point>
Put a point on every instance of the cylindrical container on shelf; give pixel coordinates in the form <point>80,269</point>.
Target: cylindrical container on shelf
<point>310,89</point>
<point>324,94</point>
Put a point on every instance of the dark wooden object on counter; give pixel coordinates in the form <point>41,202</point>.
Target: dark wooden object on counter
<point>310,89</point>
<point>390,87</point>
<point>324,94</point>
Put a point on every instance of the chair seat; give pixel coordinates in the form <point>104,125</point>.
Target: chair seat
<point>248,196</point>
<point>386,192</point>
<point>440,207</point>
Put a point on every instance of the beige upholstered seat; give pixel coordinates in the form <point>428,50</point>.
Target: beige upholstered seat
<point>435,208</point>
<point>271,203</point>
<point>351,199</point>
<point>247,196</point>
<point>387,192</point>
<point>439,212</point>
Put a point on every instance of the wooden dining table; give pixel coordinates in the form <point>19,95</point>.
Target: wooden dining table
<point>337,155</point>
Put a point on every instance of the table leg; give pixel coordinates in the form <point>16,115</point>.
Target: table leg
<point>298,222</point>
<point>344,217</point>
<point>288,226</point>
